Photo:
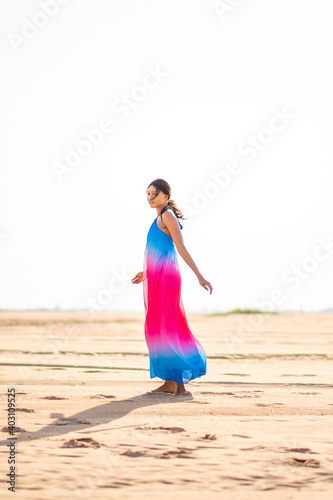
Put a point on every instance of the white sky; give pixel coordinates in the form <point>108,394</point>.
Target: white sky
<point>62,242</point>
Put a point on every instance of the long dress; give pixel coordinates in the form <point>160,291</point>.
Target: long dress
<point>174,352</point>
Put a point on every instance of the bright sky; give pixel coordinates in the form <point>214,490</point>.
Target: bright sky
<point>230,102</point>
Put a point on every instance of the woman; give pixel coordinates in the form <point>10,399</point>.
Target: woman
<point>175,355</point>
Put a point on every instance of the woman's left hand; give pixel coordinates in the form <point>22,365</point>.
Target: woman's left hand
<point>205,284</point>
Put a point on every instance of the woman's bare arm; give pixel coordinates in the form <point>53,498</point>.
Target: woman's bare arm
<point>173,227</point>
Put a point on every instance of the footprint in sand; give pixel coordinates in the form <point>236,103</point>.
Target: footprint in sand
<point>52,397</point>
<point>254,448</point>
<point>82,443</point>
<point>209,392</point>
<point>247,396</point>
<point>180,453</point>
<point>299,450</point>
<point>167,429</point>
<point>134,454</point>
<point>200,402</point>
<point>108,396</point>
<point>211,437</point>
<point>66,421</point>
<point>238,395</point>
<point>309,462</point>
<point>17,429</point>
<point>271,404</point>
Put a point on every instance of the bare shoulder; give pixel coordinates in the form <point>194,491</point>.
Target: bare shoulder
<point>168,215</point>
<point>169,219</point>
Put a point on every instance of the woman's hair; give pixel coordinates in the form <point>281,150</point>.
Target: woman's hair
<point>162,185</point>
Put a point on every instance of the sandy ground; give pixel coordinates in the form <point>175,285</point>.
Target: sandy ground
<point>259,425</point>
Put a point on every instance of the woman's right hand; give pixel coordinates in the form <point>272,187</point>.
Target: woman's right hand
<point>138,278</point>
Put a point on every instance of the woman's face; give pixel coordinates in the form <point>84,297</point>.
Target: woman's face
<point>153,200</point>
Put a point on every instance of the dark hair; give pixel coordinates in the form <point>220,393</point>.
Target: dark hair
<point>164,186</point>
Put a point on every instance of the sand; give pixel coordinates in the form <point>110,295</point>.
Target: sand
<point>259,425</point>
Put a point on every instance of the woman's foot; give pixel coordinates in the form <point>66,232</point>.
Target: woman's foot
<point>168,386</point>
<point>181,391</point>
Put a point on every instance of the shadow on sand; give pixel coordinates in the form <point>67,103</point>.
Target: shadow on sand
<point>97,415</point>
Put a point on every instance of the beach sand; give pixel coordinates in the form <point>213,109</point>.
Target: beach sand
<point>259,425</point>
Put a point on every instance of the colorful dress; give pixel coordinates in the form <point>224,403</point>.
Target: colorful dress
<point>174,352</point>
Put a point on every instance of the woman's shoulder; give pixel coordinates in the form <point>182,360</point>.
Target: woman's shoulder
<point>170,213</point>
